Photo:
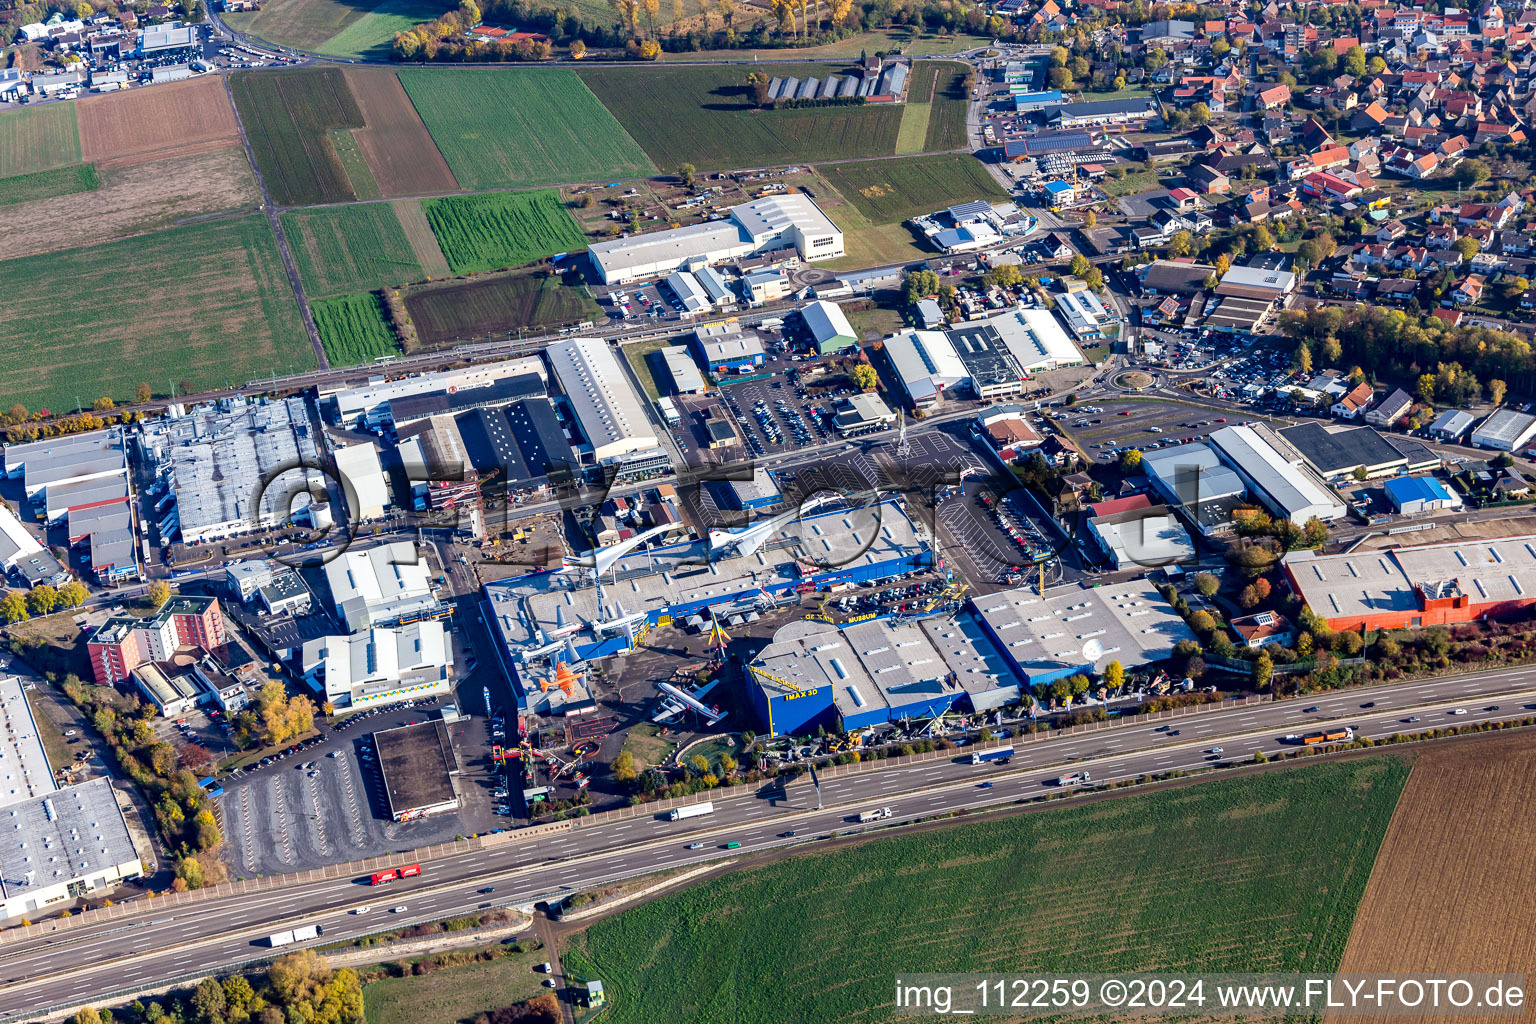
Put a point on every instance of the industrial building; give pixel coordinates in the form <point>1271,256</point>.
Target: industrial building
<point>1429,585</point>
<point>16,544</point>
<point>611,416</point>
<point>686,379</point>
<point>379,666</point>
<point>24,771</point>
<point>523,441</point>
<point>105,532</point>
<point>1286,487</point>
<point>1083,312</point>
<point>861,414</point>
<point>725,348</point>
<point>63,846</point>
<point>1148,538</point>
<point>385,585</point>
<point>750,495</point>
<point>368,406</point>
<point>1452,425</point>
<point>816,551</point>
<point>166,40</point>
<point>876,672</point>
<point>1505,431</point>
<point>1256,283</point>
<point>926,364</point>
<point>829,329</point>
<point>792,220</point>
<point>124,642</point>
<point>689,292</point>
<point>1337,452</point>
<point>988,363</point>
<point>404,412</point>
<point>418,764</point>
<point>1080,629</point>
<point>213,459</point>
<point>95,459</point>
<point>1191,477</point>
<point>1102,113</point>
<point>1174,277</point>
<point>1413,494</point>
<point>362,481</point>
<point>1034,338</point>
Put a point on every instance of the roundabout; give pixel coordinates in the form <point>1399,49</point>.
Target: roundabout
<point>1133,380</point>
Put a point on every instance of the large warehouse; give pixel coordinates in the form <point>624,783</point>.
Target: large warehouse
<point>1285,487</point>
<point>1033,337</point>
<point>792,221</point>
<point>1338,452</point>
<point>927,365</point>
<point>876,672</point>
<point>610,413</point>
<point>384,585</point>
<point>1430,585</point>
<point>418,765</point>
<point>1505,431</point>
<point>379,666</point>
<point>1080,629</point>
<point>369,405</point>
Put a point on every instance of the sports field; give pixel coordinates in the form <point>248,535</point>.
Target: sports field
<point>370,36</point>
<point>1261,873</point>
<point>352,248</point>
<point>891,191</point>
<point>353,329</point>
<point>703,116</point>
<point>402,156</point>
<point>217,307</point>
<point>1454,879</point>
<point>38,139</point>
<point>502,230</point>
<point>514,126</point>
<point>61,181</point>
<point>286,116</point>
<point>497,307</point>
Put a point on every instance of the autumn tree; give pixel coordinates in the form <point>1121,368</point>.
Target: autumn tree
<point>864,376</point>
<point>1114,675</point>
<point>73,594</point>
<point>1496,390</point>
<point>1207,584</point>
<point>623,767</point>
<point>13,606</point>
<point>42,599</point>
<point>159,593</point>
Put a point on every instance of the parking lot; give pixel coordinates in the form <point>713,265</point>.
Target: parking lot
<point>324,802</point>
<point>1106,429</point>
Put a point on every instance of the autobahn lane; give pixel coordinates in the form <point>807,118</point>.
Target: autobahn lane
<point>204,937</point>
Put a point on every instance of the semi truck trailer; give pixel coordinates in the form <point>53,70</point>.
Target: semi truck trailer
<point>875,815</point>
<point>678,814</point>
<point>999,754</point>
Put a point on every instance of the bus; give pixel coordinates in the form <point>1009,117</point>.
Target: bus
<point>1327,735</point>
<point>389,875</point>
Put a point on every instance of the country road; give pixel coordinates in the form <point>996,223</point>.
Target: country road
<point>161,944</point>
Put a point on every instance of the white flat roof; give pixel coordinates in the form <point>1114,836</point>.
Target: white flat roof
<point>363,479</point>
<point>1258,277</point>
<point>24,770</point>
<point>1289,487</point>
<point>714,240</point>
<point>68,835</point>
<point>770,217</point>
<point>373,584</point>
<point>1034,337</point>
<point>606,406</point>
<point>926,361</point>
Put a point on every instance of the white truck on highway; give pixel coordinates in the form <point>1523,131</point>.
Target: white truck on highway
<point>288,938</point>
<point>695,811</point>
<point>875,815</point>
<point>1074,779</point>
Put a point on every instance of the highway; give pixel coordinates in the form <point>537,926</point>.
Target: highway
<point>186,941</point>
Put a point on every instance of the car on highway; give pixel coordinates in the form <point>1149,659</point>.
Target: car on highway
<point>1369,704</point>
<point>1162,728</point>
<point>1216,750</point>
<point>487,889</point>
<point>984,785</point>
<point>695,846</point>
<point>787,835</point>
<point>1459,711</point>
<point>361,910</point>
<point>733,845</point>
<point>1310,710</point>
<point>398,910</point>
<point>1411,718</point>
<point>1491,707</point>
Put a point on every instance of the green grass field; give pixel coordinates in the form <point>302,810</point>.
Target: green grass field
<point>353,329</point>
<point>945,81</point>
<point>353,164</point>
<point>1262,873</point>
<point>502,230</point>
<point>516,126</point>
<point>217,307</point>
<point>369,37</point>
<point>61,181</point>
<point>38,139</point>
<point>454,993</point>
<point>497,307</point>
<point>352,248</point>
<point>891,191</point>
<point>702,116</point>
<point>318,24</point>
<point>287,115</point>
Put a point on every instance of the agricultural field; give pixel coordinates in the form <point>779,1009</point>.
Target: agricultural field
<point>1260,873</point>
<point>286,116</point>
<point>61,181</point>
<point>180,118</point>
<point>359,175</point>
<point>129,200</point>
<point>38,139</point>
<point>306,24</point>
<point>703,116</point>
<point>370,37</point>
<point>891,191</point>
<point>353,329</point>
<point>516,126</point>
<point>1453,882</point>
<point>943,84</point>
<point>413,219</point>
<point>502,230</point>
<point>497,307</point>
<point>352,248</point>
<point>402,156</point>
<point>217,308</point>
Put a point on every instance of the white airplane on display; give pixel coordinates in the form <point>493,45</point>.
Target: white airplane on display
<point>626,622</point>
<point>748,539</point>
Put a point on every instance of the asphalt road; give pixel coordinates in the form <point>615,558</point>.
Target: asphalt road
<point>184,942</point>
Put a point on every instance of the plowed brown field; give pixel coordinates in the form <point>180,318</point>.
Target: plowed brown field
<point>1452,887</point>
<point>118,129</point>
<point>404,159</point>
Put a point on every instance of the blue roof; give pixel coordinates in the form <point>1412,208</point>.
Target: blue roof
<point>1057,187</point>
<point>1404,489</point>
